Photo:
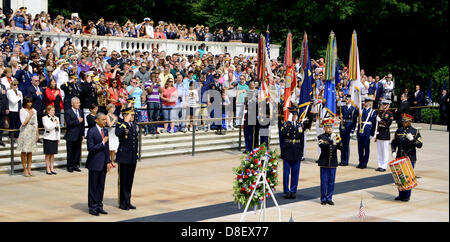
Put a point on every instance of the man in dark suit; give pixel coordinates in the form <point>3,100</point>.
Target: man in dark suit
<point>419,100</point>
<point>74,134</point>
<point>126,157</point>
<point>37,94</point>
<point>402,108</point>
<point>98,163</point>
<point>4,106</point>
<point>443,107</point>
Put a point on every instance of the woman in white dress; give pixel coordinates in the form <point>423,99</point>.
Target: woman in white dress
<point>111,120</point>
<point>28,136</point>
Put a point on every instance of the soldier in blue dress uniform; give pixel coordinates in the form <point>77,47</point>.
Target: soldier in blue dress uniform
<point>126,157</point>
<point>251,127</point>
<point>328,143</point>
<point>366,131</point>
<point>292,151</point>
<point>349,118</point>
<point>406,140</point>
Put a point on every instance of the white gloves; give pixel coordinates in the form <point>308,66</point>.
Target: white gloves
<point>378,118</point>
<point>410,137</point>
<point>394,154</point>
<point>333,138</point>
<point>371,137</point>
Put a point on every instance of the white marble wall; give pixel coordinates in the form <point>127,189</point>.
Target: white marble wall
<point>170,46</point>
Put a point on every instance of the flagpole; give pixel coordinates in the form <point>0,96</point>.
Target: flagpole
<point>362,217</point>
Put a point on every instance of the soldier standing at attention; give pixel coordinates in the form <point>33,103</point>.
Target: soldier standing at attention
<point>406,140</point>
<point>127,155</point>
<point>366,131</point>
<point>384,120</point>
<point>292,151</point>
<point>349,118</point>
<point>328,143</point>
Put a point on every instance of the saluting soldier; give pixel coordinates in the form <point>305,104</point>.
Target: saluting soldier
<point>349,118</point>
<point>405,142</point>
<point>126,157</point>
<point>71,89</point>
<point>328,143</point>
<point>366,131</point>
<point>292,151</point>
<point>384,120</point>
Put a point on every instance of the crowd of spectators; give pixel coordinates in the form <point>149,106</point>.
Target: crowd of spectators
<point>21,20</point>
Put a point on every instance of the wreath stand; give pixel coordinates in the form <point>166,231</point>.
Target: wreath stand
<point>262,180</point>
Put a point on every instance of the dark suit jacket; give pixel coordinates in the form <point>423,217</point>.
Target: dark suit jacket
<point>38,101</point>
<point>4,105</point>
<point>98,155</point>
<point>75,129</point>
<point>419,99</point>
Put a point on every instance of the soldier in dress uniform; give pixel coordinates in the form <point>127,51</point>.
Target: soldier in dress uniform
<point>71,89</point>
<point>366,131</point>
<point>349,118</point>
<point>292,151</point>
<point>264,121</point>
<point>406,140</point>
<point>126,157</point>
<point>384,120</point>
<point>328,143</point>
<point>251,129</point>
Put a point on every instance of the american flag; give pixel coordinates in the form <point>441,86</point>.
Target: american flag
<point>362,212</point>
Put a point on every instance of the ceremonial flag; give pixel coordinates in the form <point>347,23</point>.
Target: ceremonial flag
<point>306,84</point>
<point>268,42</point>
<point>429,91</point>
<point>330,75</point>
<point>362,212</point>
<point>354,74</point>
<point>290,78</point>
<point>262,70</point>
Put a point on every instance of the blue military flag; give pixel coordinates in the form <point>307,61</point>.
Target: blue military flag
<point>306,84</point>
<point>331,74</point>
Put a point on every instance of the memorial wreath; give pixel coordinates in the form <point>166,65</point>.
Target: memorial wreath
<point>247,174</point>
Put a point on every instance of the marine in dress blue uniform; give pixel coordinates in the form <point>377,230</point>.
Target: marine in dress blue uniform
<point>251,129</point>
<point>406,140</point>
<point>126,157</point>
<point>366,131</point>
<point>292,151</point>
<point>328,143</point>
<point>349,118</point>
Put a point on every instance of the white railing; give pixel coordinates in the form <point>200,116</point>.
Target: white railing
<point>169,46</point>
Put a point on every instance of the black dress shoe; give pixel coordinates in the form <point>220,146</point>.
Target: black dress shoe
<point>100,210</point>
<point>293,196</point>
<point>323,203</point>
<point>358,166</point>
<point>124,207</point>
<point>287,196</point>
<point>48,173</point>
<point>54,173</point>
<point>342,164</point>
<point>382,170</point>
<point>95,213</point>
<point>404,199</point>
<point>330,202</point>
<point>398,198</point>
<point>378,169</point>
<point>130,206</point>
<point>70,170</point>
<point>76,169</point>
<point>2,144</point>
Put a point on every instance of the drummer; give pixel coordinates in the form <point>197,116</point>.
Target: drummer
<point>406,140</point>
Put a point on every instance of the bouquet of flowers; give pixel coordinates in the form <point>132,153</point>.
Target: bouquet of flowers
<point>247,174</point>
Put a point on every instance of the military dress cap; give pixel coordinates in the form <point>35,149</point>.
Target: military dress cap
<point>407,117</point>
<point>293,110</point>
<point>128,111</point>
<point>385,101</point>
<point>369,98</point>
<point>328,122</point>
<point>62,61</point>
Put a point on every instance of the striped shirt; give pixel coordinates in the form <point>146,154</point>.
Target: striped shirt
<point>154,96</point>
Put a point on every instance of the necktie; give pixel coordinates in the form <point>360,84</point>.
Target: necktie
<point>103,135</point>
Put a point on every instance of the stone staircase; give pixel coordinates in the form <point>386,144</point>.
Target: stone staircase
<point>152,146</point>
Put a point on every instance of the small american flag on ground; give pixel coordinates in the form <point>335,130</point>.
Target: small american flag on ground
<point>362,212</point>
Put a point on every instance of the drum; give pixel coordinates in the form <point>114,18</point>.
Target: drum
<point>403,173</point>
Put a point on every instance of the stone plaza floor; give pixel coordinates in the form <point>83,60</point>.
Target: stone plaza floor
<point>187,188</point>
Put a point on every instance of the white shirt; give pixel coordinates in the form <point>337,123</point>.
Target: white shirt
<point>61,77</point>
<point>13,99</point>
<point>5,82</point>
<point>51,133</point>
